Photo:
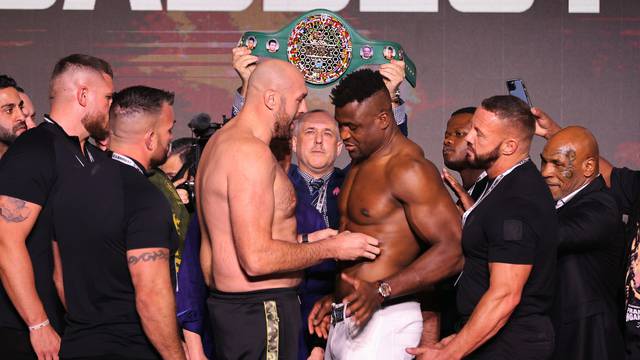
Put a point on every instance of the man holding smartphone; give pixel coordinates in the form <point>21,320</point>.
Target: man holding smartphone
<point>509,240</point>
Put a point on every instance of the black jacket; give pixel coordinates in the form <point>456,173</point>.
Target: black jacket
<point>589,277</point>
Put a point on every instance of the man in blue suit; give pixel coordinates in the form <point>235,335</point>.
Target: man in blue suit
<point>316,143</point>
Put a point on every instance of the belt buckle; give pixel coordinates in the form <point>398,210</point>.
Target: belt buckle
<point>338,313</point>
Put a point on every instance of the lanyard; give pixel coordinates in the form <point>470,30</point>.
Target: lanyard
<point>487,191</point>
<point>322,197</point>
<point>127,161</point>
<point>482,176</point>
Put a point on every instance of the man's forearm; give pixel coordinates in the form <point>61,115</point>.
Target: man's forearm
<point>156,308</point>
<point>430,328</point>
<point>284,256</point>
<point>489,316</point>
<point>440,261</point>
<point>16,272</point>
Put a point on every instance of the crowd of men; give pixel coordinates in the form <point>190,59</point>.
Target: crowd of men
<point>103,260</point>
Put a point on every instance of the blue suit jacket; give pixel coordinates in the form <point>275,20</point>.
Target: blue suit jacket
<point>333,190</point>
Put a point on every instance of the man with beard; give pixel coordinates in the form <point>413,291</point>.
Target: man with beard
<point>474,180</point>
<point>394,194</point>
<point>30,174</point>
<point>117,259</point>
<point>509,242</point>
<point>28,109</point>
<point>590,250</point>
<point>454,153</point>
<point>245,203</point>
<point>12,119</point>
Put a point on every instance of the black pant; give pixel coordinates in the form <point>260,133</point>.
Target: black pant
<point>16,345</point>
<point>261,324</point>
<point>524,338</point>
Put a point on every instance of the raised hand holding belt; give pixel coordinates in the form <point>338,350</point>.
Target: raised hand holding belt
<point>324,47</point>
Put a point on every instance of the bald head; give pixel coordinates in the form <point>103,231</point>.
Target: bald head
<point>274,75</point>
<point>276,88</point>
<point>576,137</point>
<point>570,160</point>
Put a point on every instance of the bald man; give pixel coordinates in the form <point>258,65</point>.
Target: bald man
<point>251,256</point>
<point>32,175</point>
<point>117,257</point>
<point>590,249</point>
<point>624,184</point>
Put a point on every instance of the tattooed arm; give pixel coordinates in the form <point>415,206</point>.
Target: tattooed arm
<point>17,218</point>
<point>155,300</point>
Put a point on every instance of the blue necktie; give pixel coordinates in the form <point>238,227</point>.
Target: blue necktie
<point>315,186</point>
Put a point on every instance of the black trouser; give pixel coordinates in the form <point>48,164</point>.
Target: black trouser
<point>262,324</point>
<point>15,344</point>
<point>523,338</point>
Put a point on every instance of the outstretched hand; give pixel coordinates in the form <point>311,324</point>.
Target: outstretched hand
<point>352,246</point>
<point>393,74</point>
<point>243,63</point>
<point>465,199</point>
<point>320,317</point>
<point>545,125</point>
<point>433,351</point>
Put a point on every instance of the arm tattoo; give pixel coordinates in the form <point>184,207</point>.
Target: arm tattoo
<point>13,210</point>
<point>149,256</point>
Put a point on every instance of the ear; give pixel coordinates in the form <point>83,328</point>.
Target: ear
<point>385,120</point>
<point>150,140</point>
<point>294,143</point>
<point>81,95</point>
<point>589,167</point>
<point>271,99</point>
<point>340,146</point>
<point>509,146</point>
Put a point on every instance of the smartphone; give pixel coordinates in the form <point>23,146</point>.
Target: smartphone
<point>516,88</point>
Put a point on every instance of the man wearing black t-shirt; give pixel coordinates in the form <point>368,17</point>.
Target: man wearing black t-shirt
<point>30,176</point>
<point>118,272</point>
<point>509,243</point>
<point>474,180</point>
<point>12,119</point>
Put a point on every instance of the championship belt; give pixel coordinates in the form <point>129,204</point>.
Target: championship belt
<point>321,45</point>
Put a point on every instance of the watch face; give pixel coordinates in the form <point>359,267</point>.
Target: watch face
<point>384,289</point>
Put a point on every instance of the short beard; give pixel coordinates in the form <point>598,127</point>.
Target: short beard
<point>153,163</point>
<point>7,136</point>
<point>95,126</point>
<point>282,127</point>
<point>485,161</point>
